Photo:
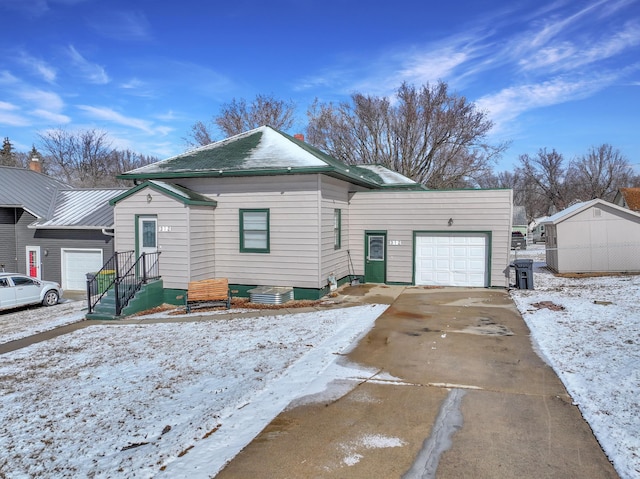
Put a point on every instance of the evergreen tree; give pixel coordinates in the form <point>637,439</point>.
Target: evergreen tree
<point>7,155</point>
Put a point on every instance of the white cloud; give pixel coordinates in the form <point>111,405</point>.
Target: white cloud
<point>509,103</point>
<point>7,106</point>
<point>42,68</point>
<point>103,113</point>
<point>6,78</point>
<point>9,118</point>
<point>44,100</point>
<point>93,72</point>
<point>566,55</point>
<point>132,84</point>
<point>53,117</point>
<point>122,25</point>
<point>35,7</point>
<point>429,67</point>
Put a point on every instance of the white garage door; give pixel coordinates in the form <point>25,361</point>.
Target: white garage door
<point>76,263</point>
<point>444,259</point>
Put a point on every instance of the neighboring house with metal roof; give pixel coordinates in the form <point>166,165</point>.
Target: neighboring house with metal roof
<point>50,230</point>
<point>266,209</point>
<point>628,198</point>
<point>593,237</point>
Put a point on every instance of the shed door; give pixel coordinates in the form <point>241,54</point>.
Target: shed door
<point>446,259</point>
<point>76,263</point>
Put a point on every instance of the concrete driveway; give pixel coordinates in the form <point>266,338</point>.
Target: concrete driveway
<point>463,395</point>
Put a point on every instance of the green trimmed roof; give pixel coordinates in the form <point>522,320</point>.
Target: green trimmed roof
<point>185,195</point>
<point>266,151</point>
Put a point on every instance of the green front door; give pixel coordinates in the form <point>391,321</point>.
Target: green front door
<point>375,257</point>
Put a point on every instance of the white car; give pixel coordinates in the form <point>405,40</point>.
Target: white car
<point>20,290</point>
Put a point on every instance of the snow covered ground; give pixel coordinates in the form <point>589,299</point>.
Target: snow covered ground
<point>107,400</point>
<point>181,399</point>
<point>588,330</point>
<point>23,322</point>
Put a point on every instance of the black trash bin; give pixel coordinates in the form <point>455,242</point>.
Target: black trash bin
<point>524,273</point>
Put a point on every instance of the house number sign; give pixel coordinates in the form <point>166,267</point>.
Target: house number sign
<point>164,229</point>
<point>395,243</point>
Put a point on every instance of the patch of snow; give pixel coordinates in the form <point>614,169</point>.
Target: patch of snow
<point>595,350</point>
<point>111,399</point>
<point>21,323</point>
<point>389,177</point>
<point>368,441</point>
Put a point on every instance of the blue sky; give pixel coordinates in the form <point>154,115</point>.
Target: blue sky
<point>550,74</point>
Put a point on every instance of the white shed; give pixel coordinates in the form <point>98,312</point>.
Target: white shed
<point>593,236</point>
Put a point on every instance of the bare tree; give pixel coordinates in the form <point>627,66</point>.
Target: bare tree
<point>125,160</point>
<point>427,134</point>
<point>85,158</point>
<point>599,173</point>
<point>199,135</point>
<point>545,175</point>
<point>79,158</point>
<point>239,116</point>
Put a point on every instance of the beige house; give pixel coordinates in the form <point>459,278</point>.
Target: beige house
<point>593,236</point>
<point>266,209</point>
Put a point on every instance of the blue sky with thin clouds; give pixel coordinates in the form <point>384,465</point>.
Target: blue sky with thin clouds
<point>550,74</point>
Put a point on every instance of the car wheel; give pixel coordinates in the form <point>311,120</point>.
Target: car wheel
<point>50,298</point>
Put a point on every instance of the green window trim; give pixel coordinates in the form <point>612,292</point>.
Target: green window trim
<point>337,229</point>
<point>254,231</point>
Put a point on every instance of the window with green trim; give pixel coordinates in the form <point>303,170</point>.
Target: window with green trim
<point>254,231</point>
<point>337,229</point>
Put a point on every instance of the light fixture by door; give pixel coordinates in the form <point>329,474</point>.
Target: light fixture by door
<point>450,222</point>
<point>149,198</point>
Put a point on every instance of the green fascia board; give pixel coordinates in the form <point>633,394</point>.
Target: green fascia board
<point>194,198</point>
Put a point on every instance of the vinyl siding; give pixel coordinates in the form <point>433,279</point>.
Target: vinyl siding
<point>173,244</point>
<point>202,240</point>
<point>293,203</point>
<point>400,214</point>
<point>608,241</point>
<point>335,195</point>
<point>54,240</point>
<point>8,238</point>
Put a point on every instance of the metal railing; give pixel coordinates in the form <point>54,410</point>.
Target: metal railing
<point>123,276</point>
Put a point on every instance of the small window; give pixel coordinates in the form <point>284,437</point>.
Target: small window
<point>254,231</point>
<point>337,229</point>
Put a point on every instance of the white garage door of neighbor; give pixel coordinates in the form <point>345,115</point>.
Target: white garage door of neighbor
<point>76,263</point>
<point>444,259</point>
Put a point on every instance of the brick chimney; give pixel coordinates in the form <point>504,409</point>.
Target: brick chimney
<point>299,136</point>
<point>35,165</point>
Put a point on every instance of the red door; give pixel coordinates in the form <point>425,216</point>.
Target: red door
<point>33,264</point>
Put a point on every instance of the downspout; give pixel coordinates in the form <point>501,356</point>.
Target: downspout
<point>15,240</point>
<point>321,281</point>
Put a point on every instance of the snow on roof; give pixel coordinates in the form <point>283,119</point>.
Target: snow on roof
<point>180,191</point>
<point>276,150</point>
<point>388,177</point>
<point>261,148</point>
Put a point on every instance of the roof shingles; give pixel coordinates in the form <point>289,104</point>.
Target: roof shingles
<point>631,197</point>
<point>266,151</point>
